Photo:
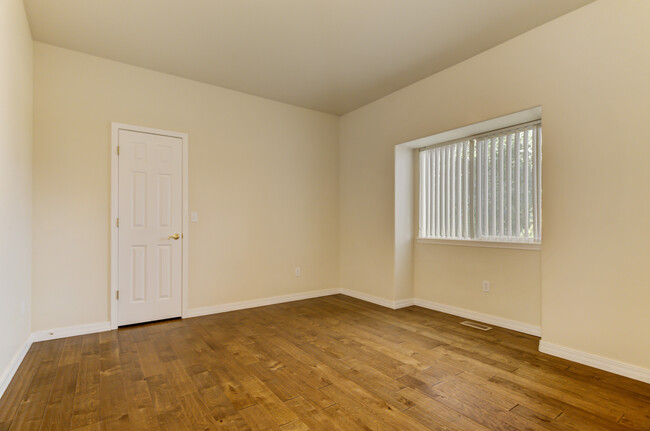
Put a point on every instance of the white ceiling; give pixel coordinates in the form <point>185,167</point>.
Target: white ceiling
<point>329,55</point>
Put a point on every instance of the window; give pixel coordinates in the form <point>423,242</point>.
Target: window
<point>484,188</point>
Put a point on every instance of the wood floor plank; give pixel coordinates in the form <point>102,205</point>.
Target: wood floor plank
<point>59,407</point>
<point>368,409</point>
<point>335,418</point>
<point>93,427</point>
<point>636,408</point>
<point>541,419</point>
<point>258,418</point>
<point>570,413</point>
<point>197,414</point>
<point>45,371</point>
<point>266,399</point>
<point>496,392</point>
<point>85,408</point>
<point>30,412</point>
<point>32,407</point>
<point>435,414</point>
<point>295,426</point>
<point>71,353</point>
<point>18,386</point>
<point>314,419</point>
<point>151,363</point>
<point>332,363</point>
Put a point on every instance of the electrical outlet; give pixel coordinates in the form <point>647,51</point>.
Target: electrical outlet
<point>298,272</point>
<point>486,285</point>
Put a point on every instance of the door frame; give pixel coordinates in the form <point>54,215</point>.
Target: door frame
<point>114,252</point>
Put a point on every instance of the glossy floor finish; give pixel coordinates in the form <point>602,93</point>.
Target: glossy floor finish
<point>323,364</point>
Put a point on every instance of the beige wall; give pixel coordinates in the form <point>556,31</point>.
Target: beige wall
<point>263,176</point>
<point>589,72</point>
<point>405,205</point>
<point>16,84</point>
<point>453,275</point>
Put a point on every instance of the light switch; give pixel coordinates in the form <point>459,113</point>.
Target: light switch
<point>194,217</point>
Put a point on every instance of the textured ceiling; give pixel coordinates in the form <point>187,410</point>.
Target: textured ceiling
<point>328,55</point>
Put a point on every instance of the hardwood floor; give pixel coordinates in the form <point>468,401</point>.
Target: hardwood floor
<point>322,364</point>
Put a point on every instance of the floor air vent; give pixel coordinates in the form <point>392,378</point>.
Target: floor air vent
<point>475,325</point>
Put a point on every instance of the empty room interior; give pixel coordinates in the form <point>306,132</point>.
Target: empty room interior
<point>324,215</point>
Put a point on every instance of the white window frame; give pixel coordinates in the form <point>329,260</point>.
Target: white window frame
<point>482,130</point>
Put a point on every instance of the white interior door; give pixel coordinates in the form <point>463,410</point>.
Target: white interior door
<point>150,227</point>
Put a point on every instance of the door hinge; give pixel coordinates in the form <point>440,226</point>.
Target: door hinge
<point>118,150</point>
<point>117,222</point>
<point>117,295</point>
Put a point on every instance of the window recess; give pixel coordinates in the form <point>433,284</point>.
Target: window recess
<point>484,187</point>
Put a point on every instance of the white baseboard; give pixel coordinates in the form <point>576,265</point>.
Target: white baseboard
<point>515,325</point>
<point>70,331</point>
<point>404,303</point>
<point>368,298</point>
<point>606,364</point>
<point>377,300</point>
<point>241,305</point>
<point>13,365</point>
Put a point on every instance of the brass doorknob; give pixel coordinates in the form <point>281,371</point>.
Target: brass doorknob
<point>175,236</point>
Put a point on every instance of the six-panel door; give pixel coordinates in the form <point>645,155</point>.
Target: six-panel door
<point>150,214</point>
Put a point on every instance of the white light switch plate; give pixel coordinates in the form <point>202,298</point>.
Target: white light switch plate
<point>194,217</point>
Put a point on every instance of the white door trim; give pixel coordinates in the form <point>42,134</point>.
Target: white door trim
<point>114,254</point>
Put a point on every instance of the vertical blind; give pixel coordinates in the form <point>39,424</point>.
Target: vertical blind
<point>486,187</point>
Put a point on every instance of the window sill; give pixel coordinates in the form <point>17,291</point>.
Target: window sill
<point>487,244</point>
